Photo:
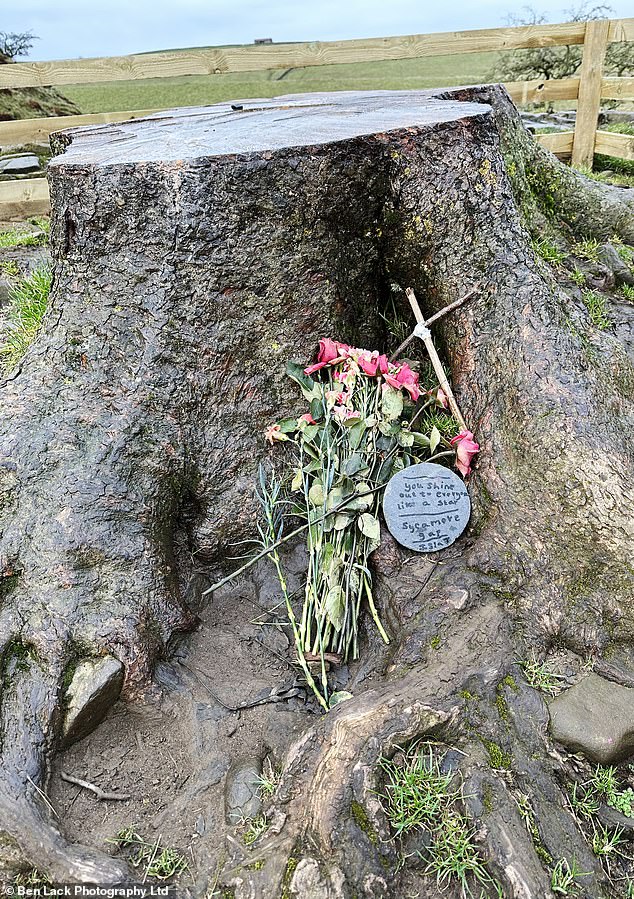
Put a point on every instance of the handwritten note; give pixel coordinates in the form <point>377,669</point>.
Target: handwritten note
<point>426,507</point>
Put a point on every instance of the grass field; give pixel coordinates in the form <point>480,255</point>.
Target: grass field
<point>194,90</point>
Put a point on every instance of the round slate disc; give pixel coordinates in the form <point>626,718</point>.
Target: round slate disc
<point>426,507</point>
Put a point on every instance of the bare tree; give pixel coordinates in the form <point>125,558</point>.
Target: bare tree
<point>14,44</point>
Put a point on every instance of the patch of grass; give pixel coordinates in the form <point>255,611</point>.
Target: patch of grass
<point>443,421</point>
<point>34,879</point>
<point>578,277</point>
<point>585,802</point>
<point>540,677</point>
<point>158,861</point>
<point>628,291</point>
<point>194,90</point>
<point>563,880</point>
<point>586,799</point>
<point>605,781</point>
<point>19,236</point>
<point>625,251</point>
<point>549,251</point>
<point>9,268</point>
<point>28,301</point>
<point>619,127</point>
<point>597,307</point>
<point>587,249</point>
<point>268,781</point>
<point>419,794</point>
<point>606,845</point>
<point>253,829</point>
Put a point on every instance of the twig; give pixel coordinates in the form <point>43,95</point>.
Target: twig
<point>435,358</point>
<point>43,795</point>
<point>435,317</point>
<point>99,793</point>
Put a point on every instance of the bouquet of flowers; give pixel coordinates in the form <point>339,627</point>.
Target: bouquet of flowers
<point>362,426</point>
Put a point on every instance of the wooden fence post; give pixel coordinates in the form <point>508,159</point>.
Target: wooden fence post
<point>589,103</point>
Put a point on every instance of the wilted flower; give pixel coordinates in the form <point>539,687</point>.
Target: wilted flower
<point>466,449</point>
<point>403,378</point>
<point>308,418</point>
<point>372,363</point>
<point>330,351</point>
<point>440,397</point>
<point>274,433</point>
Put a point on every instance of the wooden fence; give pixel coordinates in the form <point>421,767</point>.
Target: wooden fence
<point>29,196</point>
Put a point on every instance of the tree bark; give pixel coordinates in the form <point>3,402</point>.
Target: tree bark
<point>194,254</point>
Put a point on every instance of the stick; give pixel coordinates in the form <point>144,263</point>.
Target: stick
<point>435,317</point>
<point>435,358</point>
<point>86,785</point>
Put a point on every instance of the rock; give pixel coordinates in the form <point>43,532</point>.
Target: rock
<point>596,718</point>
<point>621,271</point>
<point>19,165</point>
<point>612,819</point>
<point>308,882</point>
<point>242,799</point>
<point>5,291</point>
<point>94,689</point>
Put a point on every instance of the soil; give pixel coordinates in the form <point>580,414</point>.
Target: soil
<point>172,750</point>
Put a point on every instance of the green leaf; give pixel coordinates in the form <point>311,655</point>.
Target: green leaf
<point>353,420</point>
<point>335,606</point>
<point>354,464</point>
<point>362,501</point>
<point>370,527</point>
<point>342,521</point>
<point>405,438</point>
<point>298,480</point>
<point>316,494</point>
<point>391,403</point>
<point>389,428</point>
<point>355,434</point>
<point>339,696</point>
<point>309,433</point>
<point>434,439</point>
<point>317,409</point>
<point>310,388</point>
<point>420,439</point>
<point>287,425</point>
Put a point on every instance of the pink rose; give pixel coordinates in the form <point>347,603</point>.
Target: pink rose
<point>330,352</point>
<point>308,418</point>
<point>403,378</point>
<point>371,363</point>
<point>466,449</point>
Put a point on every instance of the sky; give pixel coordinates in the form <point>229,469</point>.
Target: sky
<point>73,28</point>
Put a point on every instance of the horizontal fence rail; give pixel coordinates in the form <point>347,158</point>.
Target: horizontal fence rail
<point>30,196</point>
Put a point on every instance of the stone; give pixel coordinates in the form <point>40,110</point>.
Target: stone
<point>595,718</point>
<point>242,797</point>
<point>94,689</point>
<point>610,258</point>
<point>19,165</point>
<point>5,291</point>
<point>426,507</point>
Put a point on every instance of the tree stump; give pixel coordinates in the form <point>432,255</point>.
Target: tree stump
<point>194,253</point>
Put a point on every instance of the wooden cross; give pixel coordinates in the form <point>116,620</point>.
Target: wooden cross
<point>422,330</point>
